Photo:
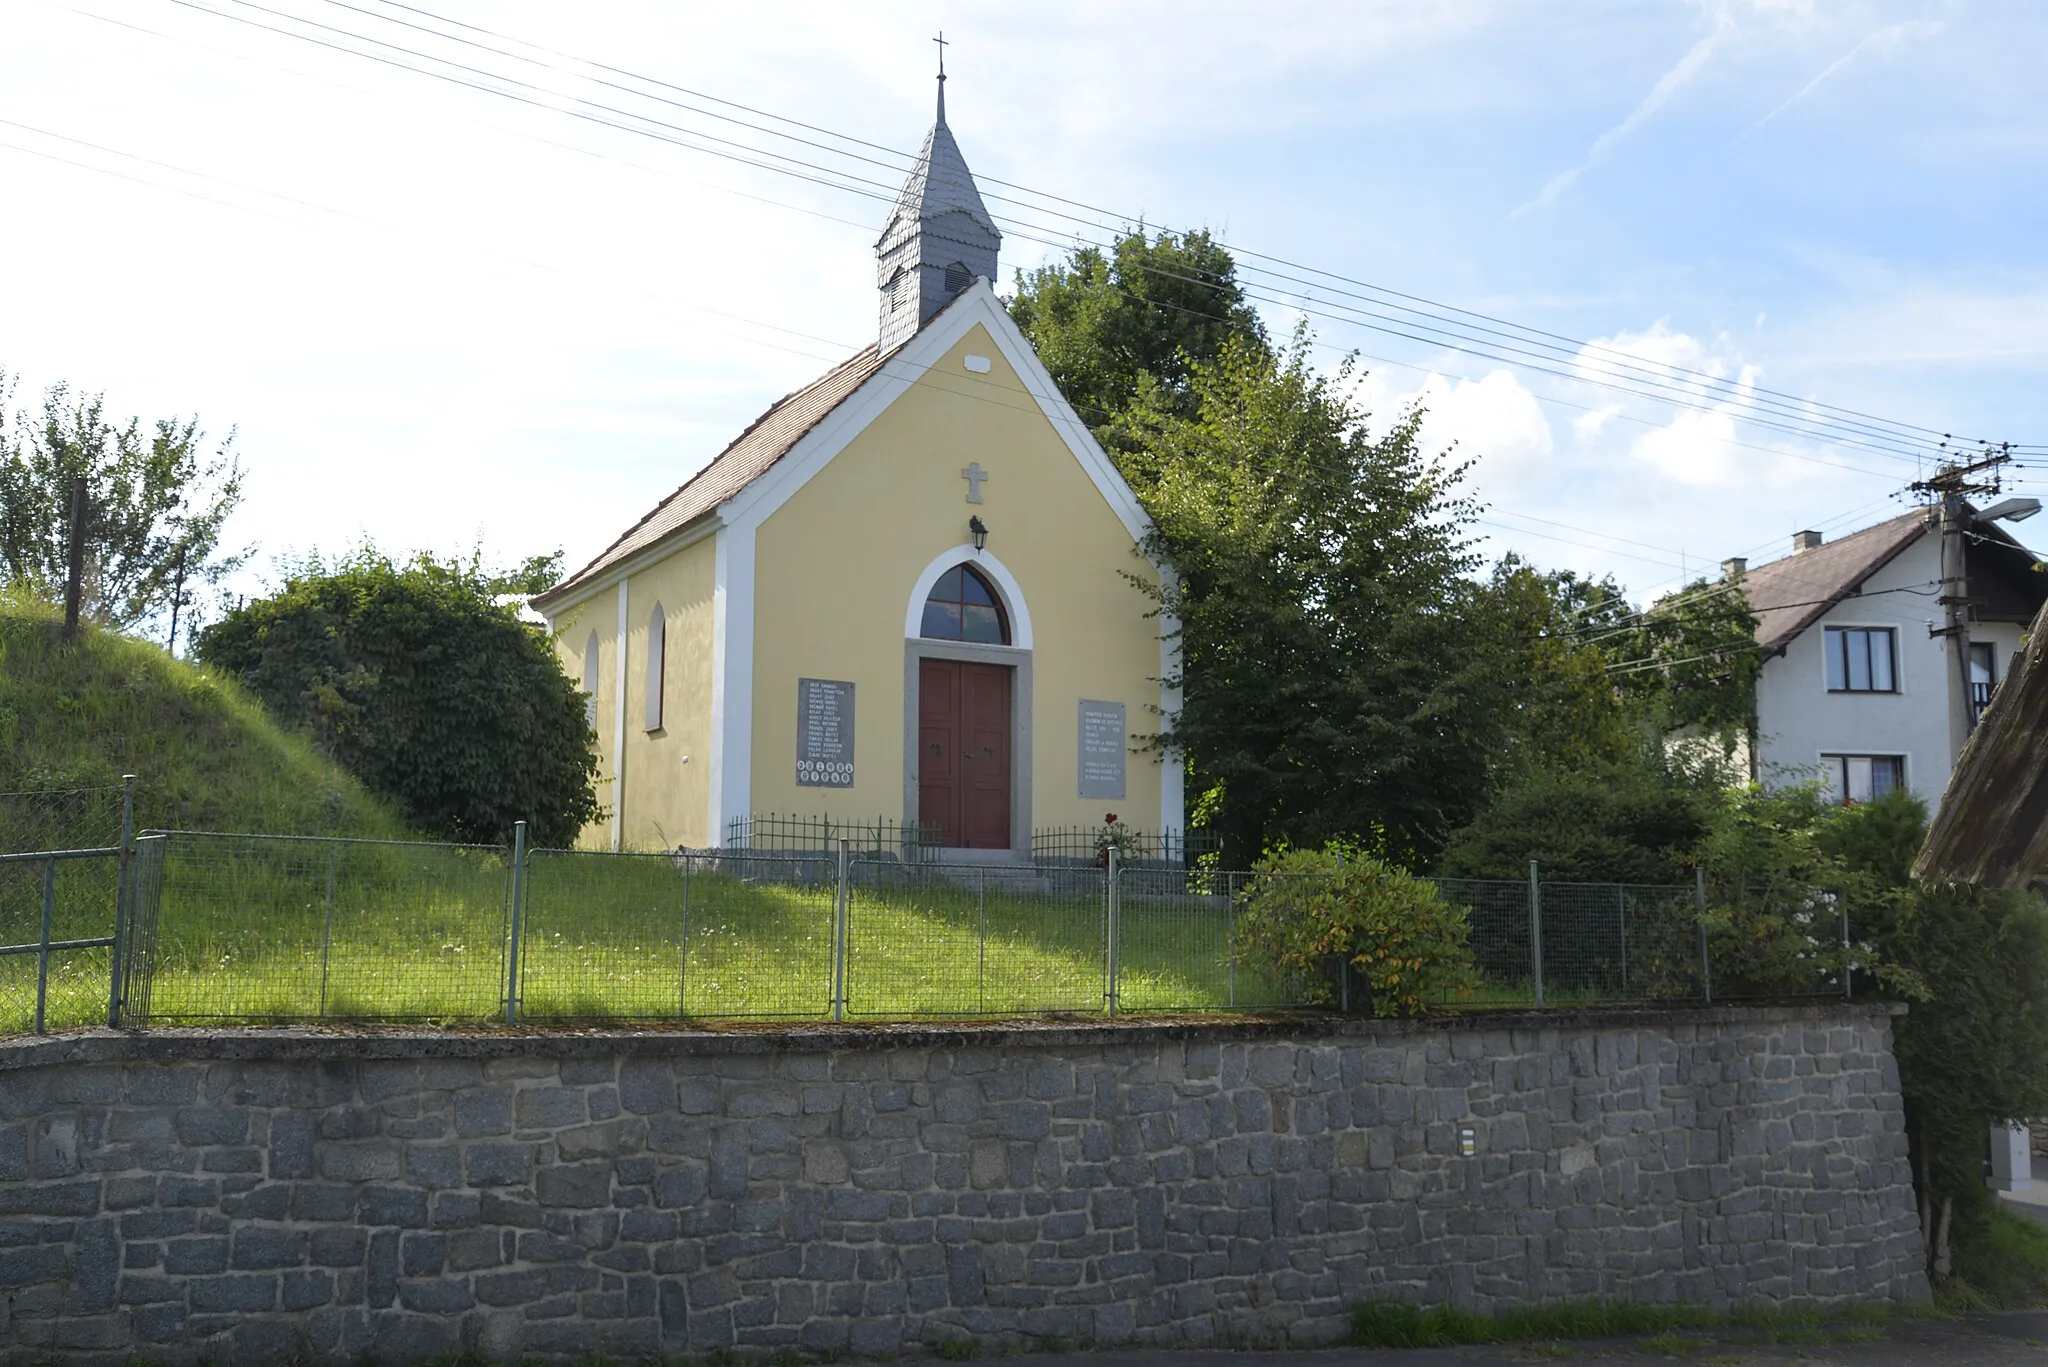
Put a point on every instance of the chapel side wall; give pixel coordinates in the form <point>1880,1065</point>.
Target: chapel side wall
<point>573,629</point>
<point>835,567</point>
<point>1798,720</point>
<point>668,800</point>
<point>253,1198</point>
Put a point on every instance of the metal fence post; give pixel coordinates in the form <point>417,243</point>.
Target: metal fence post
<point>683,958</point>
<point>119,953</point>
<point>1114,928</point>
<point>327,925</point>
<point>840,918</point>
<point>43,946</point>
<point>1699,905</point>
<point>1536,930</point>
<point>981,945</point>
<point>1231,890</point>
<point>1621,908</point>
<point>518,922</point>
<point>1848,988</point>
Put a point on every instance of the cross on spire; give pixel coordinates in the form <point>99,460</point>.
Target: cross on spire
<point>941,41</point>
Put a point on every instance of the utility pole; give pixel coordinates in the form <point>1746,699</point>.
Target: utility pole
<point>1952,485</point>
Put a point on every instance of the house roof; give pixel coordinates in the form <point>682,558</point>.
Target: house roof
<point>752,454</point>
<point>1788,596</point>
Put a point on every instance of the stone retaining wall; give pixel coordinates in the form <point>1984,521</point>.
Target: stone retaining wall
<point>253,1197</point>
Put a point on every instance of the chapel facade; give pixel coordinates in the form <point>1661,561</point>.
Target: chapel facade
<point>904,592</point>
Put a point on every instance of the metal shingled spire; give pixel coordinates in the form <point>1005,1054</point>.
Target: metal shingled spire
<point>939,237</point>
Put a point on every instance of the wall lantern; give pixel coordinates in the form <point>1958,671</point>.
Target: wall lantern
<point>978,531</point>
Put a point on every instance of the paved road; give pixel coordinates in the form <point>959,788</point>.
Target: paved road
<point>1985,1341</point>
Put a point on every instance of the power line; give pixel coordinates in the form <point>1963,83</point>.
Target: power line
<point>1659,389</point>
<point>1868,422</point>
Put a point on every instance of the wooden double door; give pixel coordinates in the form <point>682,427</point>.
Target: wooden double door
<point>963,752</point>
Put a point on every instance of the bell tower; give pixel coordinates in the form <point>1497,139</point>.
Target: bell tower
<point>939,238</point>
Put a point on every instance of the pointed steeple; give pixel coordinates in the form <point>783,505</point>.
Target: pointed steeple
<point>939,236</point>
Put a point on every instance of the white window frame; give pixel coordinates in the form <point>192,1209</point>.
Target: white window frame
<point>593,665</point>
<point>1838,768</point>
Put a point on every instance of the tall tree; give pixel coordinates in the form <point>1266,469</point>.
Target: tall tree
<point>1112,326</point>
<point>156,503</point>
<point>425,687</point>
<point>1328,684</point>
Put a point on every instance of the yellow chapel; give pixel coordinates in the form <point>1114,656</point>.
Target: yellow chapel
<point>902,595</point>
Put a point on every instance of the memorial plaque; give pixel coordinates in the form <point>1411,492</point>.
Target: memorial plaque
<point>1103,747</point>
<point>824,733</point>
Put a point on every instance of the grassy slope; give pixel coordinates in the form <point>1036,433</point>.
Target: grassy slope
<point>205,754</point>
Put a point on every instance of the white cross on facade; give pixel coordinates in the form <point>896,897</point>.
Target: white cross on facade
<point>974,475</point>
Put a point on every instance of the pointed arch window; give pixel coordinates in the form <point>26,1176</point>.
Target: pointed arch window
<point>894,289</point>
<point>657,664</point>
<point>963,606</point>
<point>593,657</point>
<point>958,277</point>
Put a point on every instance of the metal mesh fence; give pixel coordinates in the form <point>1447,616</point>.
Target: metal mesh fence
<point>222,928</point>
<point>277,928</point>
<point>648,936</point>
<point>965,940</point>
<point>57,917</point>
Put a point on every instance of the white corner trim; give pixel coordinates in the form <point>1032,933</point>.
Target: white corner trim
<point>732,681</point>
<point>619,725</point>
<point>688,534</point>
<point>999,573</point>
<point>1172,763</point>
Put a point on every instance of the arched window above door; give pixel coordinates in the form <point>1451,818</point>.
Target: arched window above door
<point>963,606</point>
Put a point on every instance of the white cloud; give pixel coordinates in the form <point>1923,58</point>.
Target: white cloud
<point>1494,421</point>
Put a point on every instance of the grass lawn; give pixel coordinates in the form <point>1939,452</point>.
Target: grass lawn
<point>292,929</point>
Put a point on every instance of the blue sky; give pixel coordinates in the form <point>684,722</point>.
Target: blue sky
<point>440,319</point>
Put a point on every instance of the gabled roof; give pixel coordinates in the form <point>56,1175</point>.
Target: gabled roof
<point>1788,596</point>
<point>752,454</point>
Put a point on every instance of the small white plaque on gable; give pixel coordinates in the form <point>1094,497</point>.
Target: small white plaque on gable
<point>978,364</point>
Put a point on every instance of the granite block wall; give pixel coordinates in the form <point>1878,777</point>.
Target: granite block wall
<point>254,1197</point>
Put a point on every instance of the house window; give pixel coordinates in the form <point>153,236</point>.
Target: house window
<point>1863,778</point>
<point>964,607</point>
<point>657,664</point>
<point>1862,660</point>
<point>592,657</point>
<point>1983,677</point>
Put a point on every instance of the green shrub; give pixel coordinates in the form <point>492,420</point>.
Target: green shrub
<point>2002,1257</point>
<point>1308,909</point>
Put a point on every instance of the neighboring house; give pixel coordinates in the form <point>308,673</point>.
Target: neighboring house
<point>1858,686</point>
<point>905,591</point>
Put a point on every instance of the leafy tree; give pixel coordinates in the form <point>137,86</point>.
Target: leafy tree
<point>1627,821</point>
<point>1133,322</point>
<point>425,688</point>
<point>1328,685</point>
<point>1690,660</point>
<point>156,504</point>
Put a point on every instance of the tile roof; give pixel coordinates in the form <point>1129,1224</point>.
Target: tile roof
<point>1788,596</point>
<point>752,454</point>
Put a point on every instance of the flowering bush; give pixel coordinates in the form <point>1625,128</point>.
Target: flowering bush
<point>1308,908</point>
<point>1115,835</point>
